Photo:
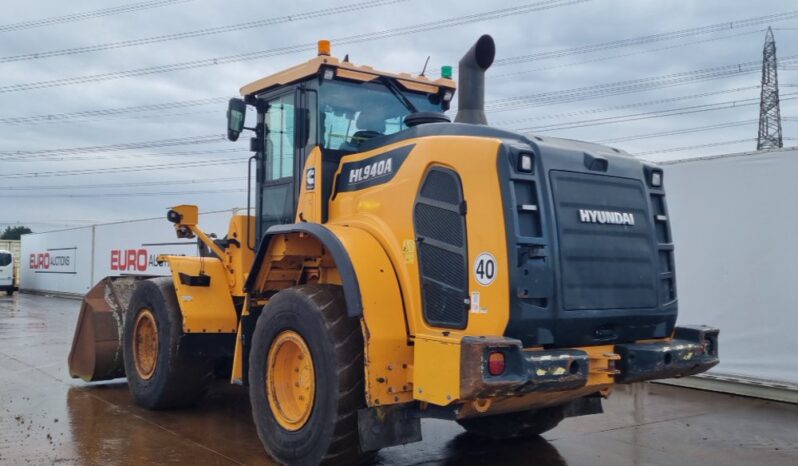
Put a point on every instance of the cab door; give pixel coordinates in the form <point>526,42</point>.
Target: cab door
<point>277,164</point>
<point>289,134</point>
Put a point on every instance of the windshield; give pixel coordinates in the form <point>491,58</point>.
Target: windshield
<point>351,113</point>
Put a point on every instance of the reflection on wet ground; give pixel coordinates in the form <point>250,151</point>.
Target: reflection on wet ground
<point>48,418</point>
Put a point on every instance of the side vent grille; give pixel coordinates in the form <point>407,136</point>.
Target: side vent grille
<point>439,220</point>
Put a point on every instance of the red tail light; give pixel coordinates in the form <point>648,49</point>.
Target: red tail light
<point>496,363</point>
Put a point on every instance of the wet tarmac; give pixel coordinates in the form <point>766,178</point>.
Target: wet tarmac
<point>48,418</point>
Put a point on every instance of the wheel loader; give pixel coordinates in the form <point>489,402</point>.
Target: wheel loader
<point>401,266</point>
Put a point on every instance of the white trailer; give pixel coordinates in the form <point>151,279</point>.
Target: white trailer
<point>734,221</point>
<point>71,261</point>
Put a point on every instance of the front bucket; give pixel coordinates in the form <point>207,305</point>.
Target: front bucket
<point>97,345</point>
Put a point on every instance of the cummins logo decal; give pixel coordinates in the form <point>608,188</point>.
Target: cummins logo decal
<point>371,171</point>
<point>606,217</point>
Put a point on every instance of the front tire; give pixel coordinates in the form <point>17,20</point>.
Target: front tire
<point>306,378</point>
<point>515,425</point>
<point>161,373</point>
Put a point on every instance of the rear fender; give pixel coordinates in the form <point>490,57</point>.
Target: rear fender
<point>389,358</point>
<point>371,290</point>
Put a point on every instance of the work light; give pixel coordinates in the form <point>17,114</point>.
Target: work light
<point>656,178</point>
<point>525,163</point>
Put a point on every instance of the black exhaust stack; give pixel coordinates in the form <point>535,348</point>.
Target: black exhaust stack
<point>471,82</point>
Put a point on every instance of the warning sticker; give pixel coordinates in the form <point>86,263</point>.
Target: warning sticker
<point>475,305</point>
<point>409,250</point>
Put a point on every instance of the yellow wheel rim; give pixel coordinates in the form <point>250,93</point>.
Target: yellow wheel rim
<point>145,344</point>
<point>290,380</point>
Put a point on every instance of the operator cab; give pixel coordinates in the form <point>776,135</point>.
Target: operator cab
<point>330,104</point>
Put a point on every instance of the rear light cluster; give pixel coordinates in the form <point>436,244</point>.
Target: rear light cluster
<point>496,363</point>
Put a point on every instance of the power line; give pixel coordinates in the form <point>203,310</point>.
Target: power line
<point>364,37</point>
<point>132,168</point>
<point>136,194</point>
<point>118,156</point>
<point>30,154</point>
<point>696,146</point>
<point>57,117</point>
<point>200,32</point>
<point>48,117</point>
<point>624,55</point>
<point>35,23</point>
<point>120,112</point>
<point>142,116</point>
<point>624,87</point>
<point>60,153</point>
<point>683,33</point>
<point>64,223</point>
<point>625,106</point>
<point>629,42</point>
<point>121,185</point>
<point>54,154</point>
<point>647,115</point>
<point>695,129</point>
<point>189,103</point>
<point>641,116</point>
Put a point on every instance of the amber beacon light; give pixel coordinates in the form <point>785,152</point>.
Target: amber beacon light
<point>324,47</point>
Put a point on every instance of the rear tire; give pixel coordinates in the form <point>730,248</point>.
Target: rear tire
<point>161,373</point>
<point>10,292</point>
<point>308,318</point>
<point>515,425</point>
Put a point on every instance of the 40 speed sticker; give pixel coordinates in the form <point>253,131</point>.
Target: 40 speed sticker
<point>485,268</point>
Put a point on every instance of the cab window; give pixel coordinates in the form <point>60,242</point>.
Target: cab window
<point>352,112</point>
<point>280,139</point>
<point>277,195</point>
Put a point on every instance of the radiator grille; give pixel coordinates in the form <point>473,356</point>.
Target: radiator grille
<point>440,224</point>
<point>439,221</point>
<point>607,264</point>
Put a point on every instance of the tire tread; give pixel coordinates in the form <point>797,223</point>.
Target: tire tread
<point>342,336</point>
<point>187,377</point>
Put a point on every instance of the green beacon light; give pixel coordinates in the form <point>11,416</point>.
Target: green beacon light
<point>446,71</point>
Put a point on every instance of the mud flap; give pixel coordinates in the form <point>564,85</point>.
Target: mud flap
<point>96,352</point>
<point>387,426</point>
<point>584,406</point>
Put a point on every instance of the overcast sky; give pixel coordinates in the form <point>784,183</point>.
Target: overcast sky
<point>546,94</point>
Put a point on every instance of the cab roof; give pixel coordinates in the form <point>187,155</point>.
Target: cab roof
<point>346,70</point>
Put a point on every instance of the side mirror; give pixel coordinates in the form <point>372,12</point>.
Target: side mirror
<point>236,113</point>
